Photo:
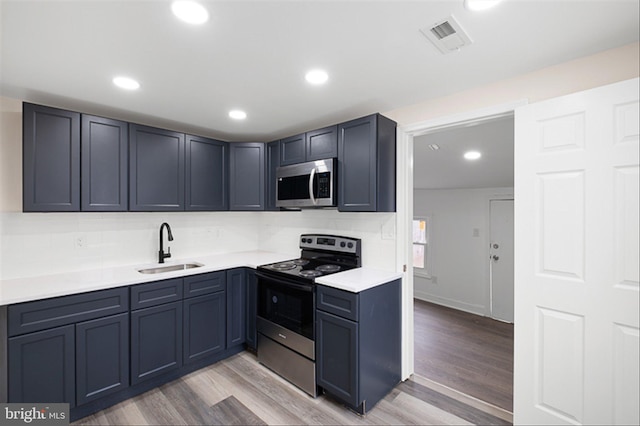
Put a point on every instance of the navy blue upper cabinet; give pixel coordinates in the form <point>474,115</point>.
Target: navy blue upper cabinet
<point>273,162</point>
<point>293,150</point>
<point>246,179</point>
<point>104,165</point>
<point>315,145</point>
<point>51,159</point>
<point>322,143</point>
<point>207,174</point>
<point>367,165</point>
<point>156,169</point>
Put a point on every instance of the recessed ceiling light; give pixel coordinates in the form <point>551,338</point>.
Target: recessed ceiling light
<point>126,83</point>
<point>190,11</point>
<point>317,77</point>
<point>480,4</point>
<point>237,114</point>
<point>472,155</point>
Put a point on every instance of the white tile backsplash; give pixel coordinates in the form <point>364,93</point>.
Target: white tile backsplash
<point>35,244</point>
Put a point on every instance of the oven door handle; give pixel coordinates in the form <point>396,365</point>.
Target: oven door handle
<point>285,281</point>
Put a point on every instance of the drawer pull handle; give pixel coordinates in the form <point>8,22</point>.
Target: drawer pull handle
<point>282,335</point>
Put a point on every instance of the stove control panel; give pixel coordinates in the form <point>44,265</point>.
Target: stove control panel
<point>330,243</point>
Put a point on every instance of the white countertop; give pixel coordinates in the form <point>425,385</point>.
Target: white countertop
<point>43,287</point>
<point>359,279</point>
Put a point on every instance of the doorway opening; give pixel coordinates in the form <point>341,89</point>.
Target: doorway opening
<point>460,286</point>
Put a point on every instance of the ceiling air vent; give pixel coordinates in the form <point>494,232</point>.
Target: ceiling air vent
<point>447,35</point>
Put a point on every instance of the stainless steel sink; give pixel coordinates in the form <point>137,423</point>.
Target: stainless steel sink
<point>169,268</point>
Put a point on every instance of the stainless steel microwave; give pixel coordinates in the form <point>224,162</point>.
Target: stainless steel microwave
<point>309,184</point>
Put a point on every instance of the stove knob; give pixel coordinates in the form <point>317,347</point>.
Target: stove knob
<point>350,245</point>
<point>304,240</point>
<point>343,244</point>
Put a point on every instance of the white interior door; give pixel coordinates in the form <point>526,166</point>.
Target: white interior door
<point>576,258</point>
<point>501,259</point>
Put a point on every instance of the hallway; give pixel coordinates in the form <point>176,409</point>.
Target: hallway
<point>466,352</point>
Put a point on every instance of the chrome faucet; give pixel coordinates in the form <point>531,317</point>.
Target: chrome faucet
<point>161,254</point>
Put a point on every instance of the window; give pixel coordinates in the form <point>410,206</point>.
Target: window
<point>421,249</point>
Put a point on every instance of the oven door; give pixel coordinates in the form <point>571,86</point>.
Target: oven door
<point>286,303</point>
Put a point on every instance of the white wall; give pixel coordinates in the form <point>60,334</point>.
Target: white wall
<point>34,244</point>
<point>584,73</point>
<point>460,267</point>
<point>377,231</point>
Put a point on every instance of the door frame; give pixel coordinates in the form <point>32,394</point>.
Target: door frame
<point>404,203</point>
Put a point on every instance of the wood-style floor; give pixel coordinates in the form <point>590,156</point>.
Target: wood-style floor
<point>240,391</point>
<point>466,352</point>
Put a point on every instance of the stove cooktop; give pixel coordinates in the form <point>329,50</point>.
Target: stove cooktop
<point>306,268</point>
<point>321,255</point>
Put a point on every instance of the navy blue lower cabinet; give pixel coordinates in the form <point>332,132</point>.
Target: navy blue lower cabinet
<point>252,310</point>
<point>102,357</point>
<point>358,337</point>
<point>156,341</point>
<point>42,366</point>
<point>236,306</point>
<point>204,326</point>
<point>337,356</point>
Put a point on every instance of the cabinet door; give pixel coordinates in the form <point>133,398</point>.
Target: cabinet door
<point>252,309</point>
<point>42,366</point>
<point>246,180</point>
<point>204,326</point>
<point>156,341</point>
<point>292,150</point>
<point>337,357</point>
<point>357,165</point>
<point>273,162</point>
<point>236,306</point>
<point>156,169</point>
<point>102,357</point>
<point>207,174</point>
<point>105,167</point>
<point>51,159</point>
<point>322,143</point>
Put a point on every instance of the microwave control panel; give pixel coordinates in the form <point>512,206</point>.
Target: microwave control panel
<point>324,185</point>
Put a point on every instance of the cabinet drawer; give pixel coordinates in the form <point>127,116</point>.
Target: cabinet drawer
<point>198,285</point>
<point>48,313</point>
<point>337,302</point>
<point>156,293</point>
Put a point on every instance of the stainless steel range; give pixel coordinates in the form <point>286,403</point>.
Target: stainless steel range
<point>286,305</point>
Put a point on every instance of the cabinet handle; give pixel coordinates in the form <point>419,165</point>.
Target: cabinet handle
<point>282,335</point>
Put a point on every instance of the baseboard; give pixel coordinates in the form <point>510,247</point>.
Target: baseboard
<point>451,303</point>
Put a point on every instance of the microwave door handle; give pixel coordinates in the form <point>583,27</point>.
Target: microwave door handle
<point>313,173</point>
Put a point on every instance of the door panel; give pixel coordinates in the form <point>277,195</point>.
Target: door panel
<point>501,259</point>
<point>576,263</point>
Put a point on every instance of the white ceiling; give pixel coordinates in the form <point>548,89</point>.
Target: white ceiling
<point>446,167</point>
<point>253,55</point>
